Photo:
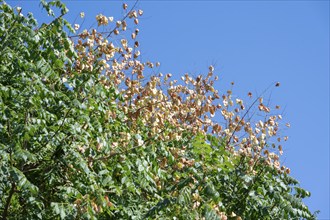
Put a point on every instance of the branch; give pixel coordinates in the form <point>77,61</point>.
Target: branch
<point>59,128</point>
<point>130,11</point>
<point>11,193</point>
<point>247,111</point>
<point>52,22</point>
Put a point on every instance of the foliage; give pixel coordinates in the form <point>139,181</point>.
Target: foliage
<point>86,135</point>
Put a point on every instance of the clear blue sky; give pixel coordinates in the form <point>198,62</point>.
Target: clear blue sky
<point>252,43</point>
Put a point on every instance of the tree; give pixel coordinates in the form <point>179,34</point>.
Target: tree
<point>86,135</point>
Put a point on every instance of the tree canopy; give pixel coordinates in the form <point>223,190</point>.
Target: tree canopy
<point>89,131</point>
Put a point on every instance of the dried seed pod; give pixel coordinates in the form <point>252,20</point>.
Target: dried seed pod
<point>136,21</point>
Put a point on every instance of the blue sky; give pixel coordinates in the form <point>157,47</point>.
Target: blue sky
<point>252,43</point>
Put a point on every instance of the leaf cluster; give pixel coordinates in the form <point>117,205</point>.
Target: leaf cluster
<point>85,134</point>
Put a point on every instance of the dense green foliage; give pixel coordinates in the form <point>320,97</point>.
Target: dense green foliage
<point>69,149</point>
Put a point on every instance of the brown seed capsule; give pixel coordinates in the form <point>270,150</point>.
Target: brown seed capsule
<point>277,84</point>
<point>125,6</point>
<point>118,24</point>
<point>136,21</point>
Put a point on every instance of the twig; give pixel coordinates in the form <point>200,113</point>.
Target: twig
<point>247,111</point>
<point>130,11</point>
<point>127,14</point>
<point>52,22</point>
<point>11,193</point>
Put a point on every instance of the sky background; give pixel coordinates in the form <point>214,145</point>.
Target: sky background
<point>253,43</point>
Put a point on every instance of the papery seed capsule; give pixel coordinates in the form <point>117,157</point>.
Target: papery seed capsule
<point>137,53</point>
<point>76,26</point>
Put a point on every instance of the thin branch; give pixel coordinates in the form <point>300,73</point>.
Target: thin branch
<point>59,128</point>
<point>130,11</point>
<point>11,193</point>
<point>127,14</point>
<point>247,111</point>
<point>52,22</point>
